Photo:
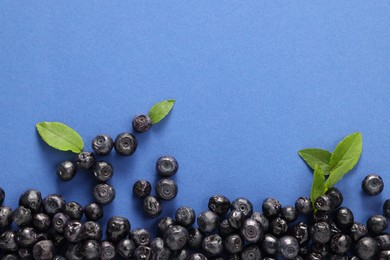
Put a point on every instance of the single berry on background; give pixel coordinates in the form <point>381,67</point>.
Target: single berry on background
<point>152,207</point>
<point>167,166</point>
<point>66,170</point>
<point>53,204</point>
<point>141,123</point>
<point>102,144</point>
<point>85,160</point>
<point>142,188</point>
<point>103,171</point>
<point>31,199</point>
<point>373,184</point>
<point>166,189</point>
<point>219,204</point>
<point>125,144</point>
<point>104,193</point>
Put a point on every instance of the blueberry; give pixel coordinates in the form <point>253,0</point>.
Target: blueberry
<point>59,222</point>
<point>125,248</point>
<point>314,256</point>
<point>243,205</point>
<point>53,204</point>
<point>303,205</point>
<point>197,256</point>
<point>235,219</point>
<point>288,247</point>
<point>344,218</point>
<point>167,166</point>
<point>103,171</point>
<point>142,188</point>
<point>336,197</point>
<point>44,250</point>
<point>8,241</point>
<point>141,123</point>
<point>74,231</point>
<point>262,219</point>
<point>161,252</point>
<point>41,221</point>
<point>176,237</point>
<point>373,184</point>
<point>289,213</point>
<point>22,216</point>
<point>74,210</point>
<point>233,244</point>
<point>180,254</point>
<point>322,216</point>
<point>301,232</point>
<point>340,243</point>
<point>140,236</point>
<point>166,189</point>
<point>143,253</point>
<point>10,256</point>
<point>117,228</point>
<point>251,230</point>
<point>31,199</point>
<point>108,250</point>
<point>219,204</point>
<point>366,247</point>
<point>383,242</point>
<point>104,193</point>
<point>152,206</point>
<point>324,203</point>
<point>2,196</point>
<point>225,229</point>
<point>212,245</point>
<point>384,255</point>
<point>93,211</point>
<point>320,232</point>
<point>91,249</point>
<point>92,231</point>
<point>377,224</point>
<point>271,207</point>
<point>66,170</point>
<point>185,216</point>
<point>125,144</point>
<point>270,244</point>
<point>358,231</point>
<point>73,251</point>
<point>386,208</point>
<point>5,216</point>
<point>320,248</point>
<point>85,160</point>
<point>164,224</point>
<point>278,227</point>
<point>251,252</point>
<point>195,238</point>
<point>207,221</point>
<point>102,144</point>
<point>57,238</point>
<point>25,253</point>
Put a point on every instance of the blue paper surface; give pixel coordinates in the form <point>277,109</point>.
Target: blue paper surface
<point>255,81</point>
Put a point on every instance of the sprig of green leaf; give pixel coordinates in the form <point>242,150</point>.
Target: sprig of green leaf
<point>314,156</point>
<point>160,110</point>
<point>318,186</point>
<point>60,136</point>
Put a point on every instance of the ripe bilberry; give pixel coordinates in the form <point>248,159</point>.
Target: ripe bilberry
<point>142,188</point>
<point>372,184</point>
<point>85,160</point>
<point>141,123</point>
<point>125,144</point>
<point>103,171</point>
<point>167,166</point>
<point>66,170</point>
<point>104,193</point>
<point>102,144</point>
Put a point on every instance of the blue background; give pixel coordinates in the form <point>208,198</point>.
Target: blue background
<point>255,81</point>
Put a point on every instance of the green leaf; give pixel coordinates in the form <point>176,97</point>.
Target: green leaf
<point>161,110</point>
<point>318,186</point>
<point>344,157</point>
<point>60,136</point>
<point>313,156</point>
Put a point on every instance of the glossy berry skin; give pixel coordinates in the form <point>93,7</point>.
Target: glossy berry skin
<point>117,228</point>
<point>25,253</point>
<point>26,237</point>
<point>66,170</point>
<point>340,243</point>
<point>320,232</point>
<point>303,206</point>
<point>31,199</point>
<point>344,218</point>
<point>336,196</point>
<point>108,250</point>
<point>233,244</point>
<point>180,254</point>
<point>91,249</point>
<point>104,193</point>
<point>176,237</point>
<point>289,213</point>
<point>251,231</point>
<point>185,216</point>
<point>235,219</point>
<point>140,236</point>
<point>92,231</point>
<point>8,241</point>
<point>212,245</point>
<point>93,211</point>
<point>143,253</point>
<point>125,144</point>
<point>383,242</point>
<point>225,229</point>
<point>164,224</point>
<point>271,207</point>
<point>262,219</point>
<point>270,244</point>
<point>377,224</point>
<point>44,250</point>
<point>2,196</point>
<point>167,166</point>
<point>102,144</point>
<point>73,251</point>
<point>125,248</point>
<point>59,222</point>
<point>366,248</point>
<point>158,246</point>
<point>301,232</point>
<point>41,221</point>
<point>142,188</point>
<point>358,231</point>
<point>278,227</point>
<point>384,255</point>
<point>197,256</point>
<point>166,189</point>
<point>5,216</point>
<point>141,123</point>
<point>103,171</point>
<point>74,210</point>
<point>85,160</point>
<point>252,252</point>
<point>53,204</point>
<point>219,204</point>
<point>152,207</point>
<point>207,221</point>
<point>22,216</point>
<point>243,205</point>
<point>386,208</point>
<point>288,247</point>
<point>372,184</point>
<point>74,231</point>
<point>324,203</point>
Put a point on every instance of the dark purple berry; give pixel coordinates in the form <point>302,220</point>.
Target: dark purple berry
<point>8,241</point>
<point>195,238</point>
<point>252,252</point>
<point>372,184</point>
<point>5,216</point>
<point>185,216</point>
<point>103,171</point>
<point>142,188</point>
<point>74,231</point>
<point>270,244</point>
<point>140,236</point>
<point>383,242</point>
<point>117,228</point>
<point>85,160</point>
<point>44,250</point>
<point>344,218</point>
<point>22,216</point>
<point>160,251</point>
<point>243,205</point>
<point>219,204</point>
<point>340,243</point>
<point>197,256</point>
<point>251,231</point>
<point>144,253</point>
<point>152,206</point>
<point>336,197</point>
<point>324,203</point>
<point>358,231</point>
<point>366,248</point>
<point>91,249</point>
<point>108,250</point>
<point>166,189</point>
<point>289,213</point>
<point>59,222</point>
<point>53,204</point>
<point>2,196</point>
<point>288,247</point>
<point>377,224</point>
<point>235,219</point>
<point>31,199</point>
<point>125,248</point>
<point>278,227</point>
<point>303,205</point>
<point>102,144</point>
<point>141,123</point>
<point>167,166</point>
<point>212,245</point>
<point>207,221</point>
<point>125,144</point>
<point>320,232</point>
<point>301,232</point>
<point>41,221</point>
<point>92,231</point>
<point>176,237</point>
<point>66,170</point>
<point>262,219</point>
<point>73,251</point>
<point>271,207</point>
<point>104,193</point>
<point>93,211</point>
<point>164,224</point>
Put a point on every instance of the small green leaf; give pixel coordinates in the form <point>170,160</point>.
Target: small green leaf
<point>60,136</point>
<point>344,157</point>
<point>313,156</point>
<point>161,110</point>
<point>318,186</point>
